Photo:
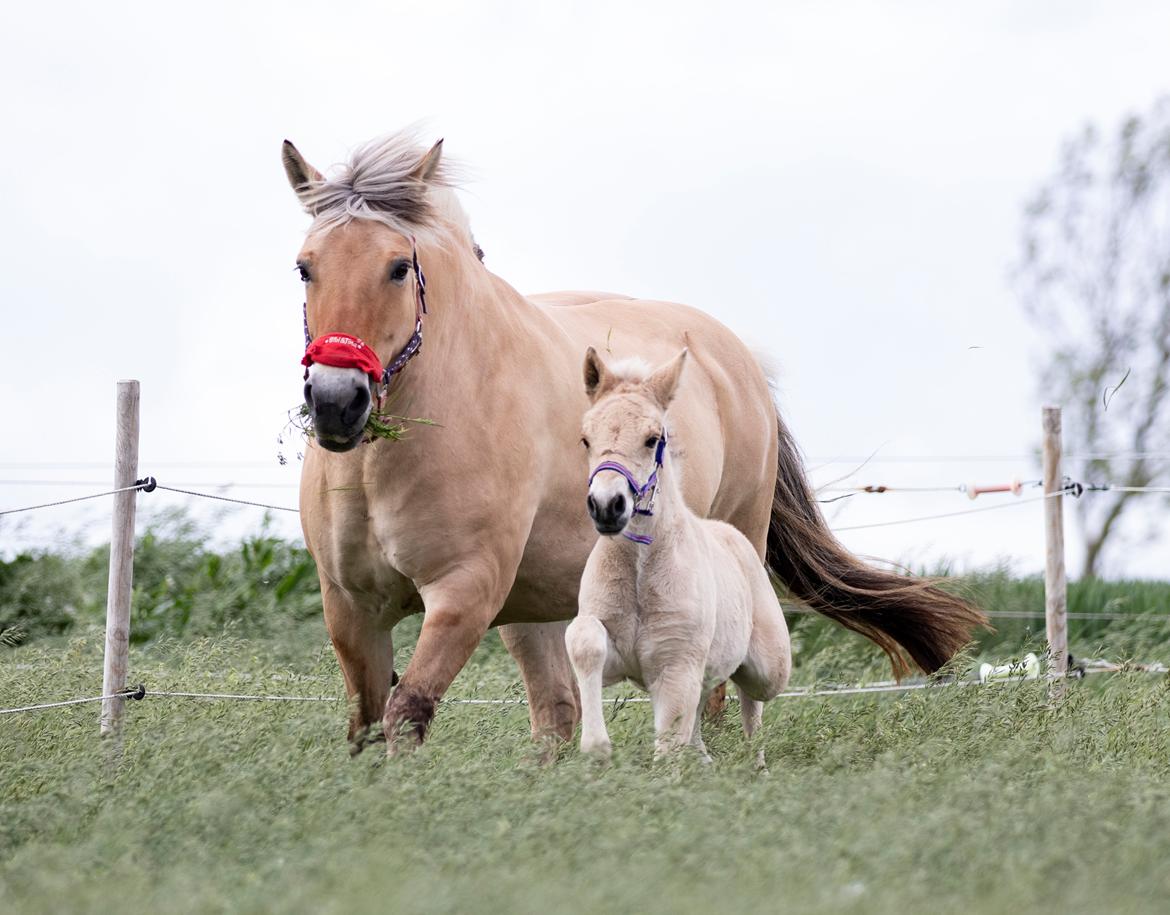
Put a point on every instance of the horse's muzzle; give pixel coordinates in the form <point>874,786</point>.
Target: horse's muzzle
<point>339,404</point>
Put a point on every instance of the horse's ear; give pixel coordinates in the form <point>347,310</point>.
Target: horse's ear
<point>300,173</point>
<point>428,164</point>
<point>664,382</point>
<point>596,374</point>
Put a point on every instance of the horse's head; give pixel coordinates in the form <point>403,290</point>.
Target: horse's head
<point>364,298</point>
<point>624,433</point>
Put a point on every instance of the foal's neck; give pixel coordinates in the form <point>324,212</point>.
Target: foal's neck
<point>670,519</point>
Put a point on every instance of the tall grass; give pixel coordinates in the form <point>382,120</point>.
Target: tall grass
<point>184,587</point>
<point>977,800</point>
<point>985,799</point>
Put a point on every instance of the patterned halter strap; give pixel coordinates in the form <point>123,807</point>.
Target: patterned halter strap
<point>348,351</point>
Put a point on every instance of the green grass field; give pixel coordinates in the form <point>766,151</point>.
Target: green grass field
<point>981,799</point>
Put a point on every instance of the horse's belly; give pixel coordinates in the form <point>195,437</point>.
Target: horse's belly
<point>546,586</point>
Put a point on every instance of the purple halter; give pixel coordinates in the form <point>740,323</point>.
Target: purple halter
<point>414,344</point>
<point>642,492</point>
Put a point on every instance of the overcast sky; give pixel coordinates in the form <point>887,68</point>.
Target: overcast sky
<point>842,184</point>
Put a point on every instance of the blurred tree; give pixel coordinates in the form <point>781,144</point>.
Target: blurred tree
<point>1094,277</point>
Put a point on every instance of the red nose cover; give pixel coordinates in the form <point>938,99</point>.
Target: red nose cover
<point>345,352</point>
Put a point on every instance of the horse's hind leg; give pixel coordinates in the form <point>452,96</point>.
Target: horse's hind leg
<point>539,649</point>
<point>365,651</point>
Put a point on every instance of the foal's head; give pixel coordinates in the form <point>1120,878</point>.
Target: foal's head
<point>389,200</point>
<point>624,427</point>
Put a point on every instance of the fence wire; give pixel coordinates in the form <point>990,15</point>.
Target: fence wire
<point>886,686</point>
<point>96,495</point>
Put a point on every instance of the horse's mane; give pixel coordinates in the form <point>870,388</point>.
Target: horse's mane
<point>377,182</point>
<point>633,369</point>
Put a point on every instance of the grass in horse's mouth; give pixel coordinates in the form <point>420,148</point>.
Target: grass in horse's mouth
<point>378,425</point>
<point>390,426</point>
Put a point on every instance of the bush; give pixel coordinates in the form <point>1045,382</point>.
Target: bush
<point>182,586</point>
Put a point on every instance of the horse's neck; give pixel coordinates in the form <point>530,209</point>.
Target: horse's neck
<point>474,319</point>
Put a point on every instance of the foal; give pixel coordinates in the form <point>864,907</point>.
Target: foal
<point>674,602</point>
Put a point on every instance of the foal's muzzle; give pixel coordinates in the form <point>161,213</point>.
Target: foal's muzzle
<point>339,404</point>
<point>610,512</point>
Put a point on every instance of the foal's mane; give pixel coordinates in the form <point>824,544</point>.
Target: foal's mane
<point>378,182</point>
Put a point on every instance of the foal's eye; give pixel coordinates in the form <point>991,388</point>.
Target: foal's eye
<point>652,441</point>
<point>304,271</point>
<point>399,272</point>
<point>585,442</point>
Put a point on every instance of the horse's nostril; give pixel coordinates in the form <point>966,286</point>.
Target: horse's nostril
<point>309,394</point>
<point>357,406</point>
<point>591,504</point>
<point>619,506</point>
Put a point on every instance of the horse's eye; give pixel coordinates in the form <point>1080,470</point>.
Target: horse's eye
<point>652,441</point>
<point>399,272</point>
<point>585,442</point>
<point>304,271</point>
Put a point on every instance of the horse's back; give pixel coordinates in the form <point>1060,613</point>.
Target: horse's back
<point>573,297</point>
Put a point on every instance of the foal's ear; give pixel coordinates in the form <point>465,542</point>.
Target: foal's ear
<point>597,374</point>
<point>428,165</point>
<point>300,173</point>
<point>664,382</point>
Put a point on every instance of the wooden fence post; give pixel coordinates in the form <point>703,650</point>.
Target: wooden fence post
<point>1055,578</point>
<point>121,559</point>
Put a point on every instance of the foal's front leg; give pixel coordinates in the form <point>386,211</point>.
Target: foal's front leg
<point>589,648</point>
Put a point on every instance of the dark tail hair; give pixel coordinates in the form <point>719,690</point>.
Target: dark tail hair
<point>903,615</point>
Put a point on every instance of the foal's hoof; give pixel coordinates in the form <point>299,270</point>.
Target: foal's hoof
<point>601,750</point>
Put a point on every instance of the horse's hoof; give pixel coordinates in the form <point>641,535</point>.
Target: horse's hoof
<point>408,715</point>
<point>716,703</point>
<point>406,738</point>
<point>548,749</point>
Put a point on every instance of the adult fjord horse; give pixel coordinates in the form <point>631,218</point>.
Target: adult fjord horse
<point>477,520</point>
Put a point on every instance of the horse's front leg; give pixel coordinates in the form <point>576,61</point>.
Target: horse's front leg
<point>458,610</point>
<point>365,652</point>
<point>553,703</point>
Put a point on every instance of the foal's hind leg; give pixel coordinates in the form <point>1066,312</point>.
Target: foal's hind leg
<point>764,672</point>
<point>751,711</point>
<point>365,651</point>
<point>539,650</point>
<point>676,695</point>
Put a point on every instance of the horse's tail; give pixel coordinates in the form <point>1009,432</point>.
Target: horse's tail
<point>902,614</point>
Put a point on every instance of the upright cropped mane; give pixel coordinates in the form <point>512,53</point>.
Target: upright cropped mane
<point>379,181</point>
<point>633,369</point>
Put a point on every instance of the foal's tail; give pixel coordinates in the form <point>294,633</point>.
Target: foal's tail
<point>903,615</point>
